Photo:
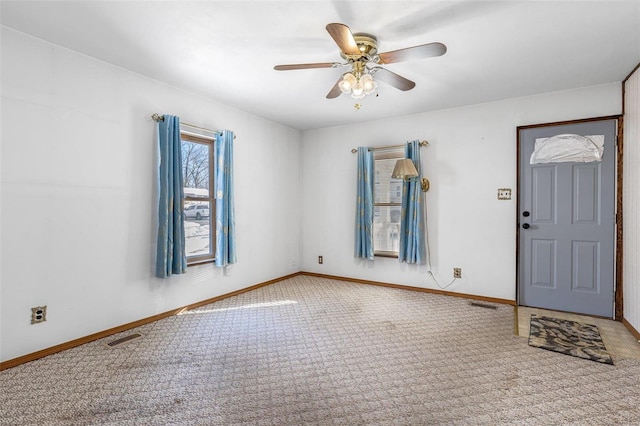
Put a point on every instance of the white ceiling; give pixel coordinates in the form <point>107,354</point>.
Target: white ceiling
<point>226,50</point>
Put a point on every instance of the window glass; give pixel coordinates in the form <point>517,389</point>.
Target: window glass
<point>196,168</point>
<point>197,228</point>
<point>197,163</point>
<point>387,190</point>
<point>387,203</point>
<point>386,229</point>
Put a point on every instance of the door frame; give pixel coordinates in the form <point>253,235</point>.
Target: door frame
<point>618,293</point>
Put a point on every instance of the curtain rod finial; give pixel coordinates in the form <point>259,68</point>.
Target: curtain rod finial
<point>157,117</point>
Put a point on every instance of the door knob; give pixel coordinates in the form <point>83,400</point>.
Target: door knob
<point>526,226</point>
<point>525,214</point>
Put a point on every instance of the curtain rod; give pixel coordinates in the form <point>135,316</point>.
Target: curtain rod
<point>158,117</point>
<point>422,143</point>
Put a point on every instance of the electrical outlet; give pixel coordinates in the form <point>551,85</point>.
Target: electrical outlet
<point>38,314</point>
<point>457,272</point>
<point>504,193</point>
<point>320,260</point>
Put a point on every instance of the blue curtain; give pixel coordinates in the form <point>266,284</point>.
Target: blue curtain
<point>364,205</point>
<point>225,216</point>
<point>412,242</point>
<point>170,255</point>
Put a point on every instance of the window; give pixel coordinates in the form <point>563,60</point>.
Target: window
<point>387,203</point>
<point>199,205</point>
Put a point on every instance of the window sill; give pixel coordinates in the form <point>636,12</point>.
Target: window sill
<point>386,254</point>
<point>196,262</point>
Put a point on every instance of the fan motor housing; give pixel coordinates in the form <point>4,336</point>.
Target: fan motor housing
<point>367,43</point>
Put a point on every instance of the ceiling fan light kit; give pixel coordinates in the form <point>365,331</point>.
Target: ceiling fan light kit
<point>360,51</point>
<point>359,82</point>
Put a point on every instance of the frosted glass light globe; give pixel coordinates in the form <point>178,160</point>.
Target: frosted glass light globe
<point>368,84</point>
<point>347,82</point>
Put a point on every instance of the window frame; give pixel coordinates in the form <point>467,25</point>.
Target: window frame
<point>396,153</point>
<point>203,140</point>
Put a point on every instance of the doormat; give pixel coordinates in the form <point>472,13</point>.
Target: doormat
<point>568,337</point>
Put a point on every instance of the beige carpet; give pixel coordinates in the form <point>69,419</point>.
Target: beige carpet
<point>317,351</point>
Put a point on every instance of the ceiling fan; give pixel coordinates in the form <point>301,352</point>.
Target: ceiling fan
<point>360,50</point>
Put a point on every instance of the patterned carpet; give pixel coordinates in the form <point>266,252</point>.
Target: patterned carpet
<point>317,351</point>
<point>569,338</point>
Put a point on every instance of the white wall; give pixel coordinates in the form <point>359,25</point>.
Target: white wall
<point>78,214</point>
<point>472,153</point>
<point>631,202</point>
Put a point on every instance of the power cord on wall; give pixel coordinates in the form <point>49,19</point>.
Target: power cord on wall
<point>426,231</point>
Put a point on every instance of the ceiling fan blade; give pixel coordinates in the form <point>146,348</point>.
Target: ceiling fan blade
<point>393,79</point>
<point>335,90</point>
<point>416,52</point>
<point>306,66</point>
<point>341,34</point>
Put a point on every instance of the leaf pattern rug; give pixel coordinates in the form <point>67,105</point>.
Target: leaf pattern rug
<point>568,337</point>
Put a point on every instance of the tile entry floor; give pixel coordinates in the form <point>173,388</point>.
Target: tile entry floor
<point>618,340</point>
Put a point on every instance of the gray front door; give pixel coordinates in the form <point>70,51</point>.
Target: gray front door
<point>566,225</point>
